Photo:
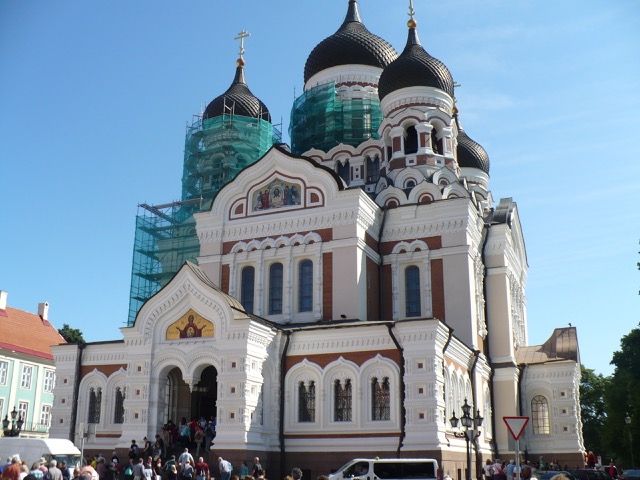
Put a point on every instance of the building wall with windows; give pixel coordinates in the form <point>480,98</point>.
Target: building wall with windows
<point>27,369</point>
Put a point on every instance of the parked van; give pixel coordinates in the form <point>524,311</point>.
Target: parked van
<point>388,469</point>
<point>33,449</point>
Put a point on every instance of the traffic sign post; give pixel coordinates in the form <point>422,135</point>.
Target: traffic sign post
<point>516,426</point>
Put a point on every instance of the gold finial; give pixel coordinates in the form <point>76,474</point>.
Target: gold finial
<point>241,36</point>
<point>412,22</point>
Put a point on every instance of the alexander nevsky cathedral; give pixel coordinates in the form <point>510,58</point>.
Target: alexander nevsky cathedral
<point>347,295</point>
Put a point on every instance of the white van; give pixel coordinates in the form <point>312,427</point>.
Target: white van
<point>33,449</point>
<point>387,469</point>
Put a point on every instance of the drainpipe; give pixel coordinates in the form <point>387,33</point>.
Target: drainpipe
<point>380,293</point>
<point>403,410</point>
<point>521,369</point>
<point>444,394</point>
<point>76,392</point>
<point>476,354</point>
<point>283,371</point>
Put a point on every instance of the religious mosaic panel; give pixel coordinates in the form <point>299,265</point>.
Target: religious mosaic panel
<point>277,194</point>
<point>190,325</point>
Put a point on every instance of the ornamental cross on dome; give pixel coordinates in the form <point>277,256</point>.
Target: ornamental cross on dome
<point>241,36</point>
<point>412,12</point>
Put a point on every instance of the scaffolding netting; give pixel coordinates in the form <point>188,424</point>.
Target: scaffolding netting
<point>322,117</point>
<point>215,151</point>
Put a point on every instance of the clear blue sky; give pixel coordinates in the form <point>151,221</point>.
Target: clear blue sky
<point>95,97</point>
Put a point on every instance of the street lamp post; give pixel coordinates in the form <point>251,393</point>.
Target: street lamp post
<point>471,430</point>
<point>627,420</point>
<point>16,425</point>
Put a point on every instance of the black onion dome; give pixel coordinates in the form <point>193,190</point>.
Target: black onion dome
<point>238,99</point>
<point>415,68</point>
<point>352,44</point>
<point>471,154</point>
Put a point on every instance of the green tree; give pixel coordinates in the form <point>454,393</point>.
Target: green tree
<point>622,400</point>
<point>593,407</point>
<point>71,335</point>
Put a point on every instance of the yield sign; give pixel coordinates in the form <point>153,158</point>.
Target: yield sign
<point>516,425</point>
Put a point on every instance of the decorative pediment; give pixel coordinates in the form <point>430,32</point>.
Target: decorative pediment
<point>190,325</point>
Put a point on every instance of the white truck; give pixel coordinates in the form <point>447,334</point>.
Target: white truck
<point>33,449</point>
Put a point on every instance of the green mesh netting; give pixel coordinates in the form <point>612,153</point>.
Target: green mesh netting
<point>215,151</point>
<point>321,119</point>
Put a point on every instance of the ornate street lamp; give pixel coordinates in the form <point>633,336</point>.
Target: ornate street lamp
<point>471,430</point>
<point>627,420</point>
<point>16,425</point>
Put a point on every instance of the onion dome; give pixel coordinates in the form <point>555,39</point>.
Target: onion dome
<point>238,100</point>
<point>414,68</point>
<point>470,153</point>
<point>352,44</point>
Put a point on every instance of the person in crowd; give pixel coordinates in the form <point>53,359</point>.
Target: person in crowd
<point>184,458</point>
<point>158,469</point>
<point>257,468</point>
<point>134,451</point>
<point>296,473</point>
<point>54,472</point>
<point>198,438</point>
<point>138,470</point>
<point>187,471</point>
<point>225,469</point>
<point>202,470</point>
<point>172,474</point>
<point>35,471</point>
<point>148,469</point>
<point>12,471</point>
<point>243,472</point>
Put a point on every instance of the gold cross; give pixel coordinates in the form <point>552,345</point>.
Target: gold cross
<point>241,36</point>
<point>412,12</point>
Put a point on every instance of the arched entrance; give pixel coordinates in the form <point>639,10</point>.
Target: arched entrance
<point>180,402</point>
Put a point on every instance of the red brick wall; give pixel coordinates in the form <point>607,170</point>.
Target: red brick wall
<point>437,288</point>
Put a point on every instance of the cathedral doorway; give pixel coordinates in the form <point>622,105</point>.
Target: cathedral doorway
<point>182,402</point>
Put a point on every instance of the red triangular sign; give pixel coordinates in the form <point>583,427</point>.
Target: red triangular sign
<point>516,425</point>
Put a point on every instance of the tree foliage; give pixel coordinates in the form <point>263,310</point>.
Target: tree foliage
<point>593,407</point>
<point>71,335</point>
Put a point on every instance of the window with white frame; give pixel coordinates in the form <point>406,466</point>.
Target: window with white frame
<point>95,400</point>
<point>247,288</point>
<point>4,371</point>
<point>411,278</point>
<point>307,401</point>
<point>305,286</point>
<point>540,415</point>
<point>118,412</point>
<point>412,291</point>
<point>380,399</point>
<point>23,410</point>
<point>27,373</point>
<point>275,288</point>
<point>45,415</point>
<point>343,400</point>
<point>49,380</point>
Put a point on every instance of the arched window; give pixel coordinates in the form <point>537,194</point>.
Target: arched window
<point>344,171</point>
<point>412,291</point>
<point>118,411</point>
<point>275,289</point>
<point>373,169</point>
<point>343,400</point>
<point>540,415</point>
<point>436,145</point>
<point>246,289</point>
<point>95,400</point>
<point>307,402</point>
<point>305,286</point>
<point>411,140</point>
<point>380,399</point>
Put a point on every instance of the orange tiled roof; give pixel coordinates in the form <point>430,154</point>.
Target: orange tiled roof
<point>27,333</point>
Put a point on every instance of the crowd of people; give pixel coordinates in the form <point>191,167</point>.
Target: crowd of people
<point>17,468</point>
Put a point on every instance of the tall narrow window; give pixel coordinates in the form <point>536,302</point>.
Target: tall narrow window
<point>305,286</point>
<point>373,169</point>
<point>412,291</point>
<point>343,400</point>
<point>246,290</point>
<point>95,399</point>
<point>118,411</point>
<point>23,411</point>
<point>27,372</point>
<point>45,415</point>
<point>49,378</point>
<point>380,399</point>
<point>540,415</point>
<point>344,171</point>
<point>307,399</point>
<point>411,140</point>
<point>4,368</point>
<point>275,289</point>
